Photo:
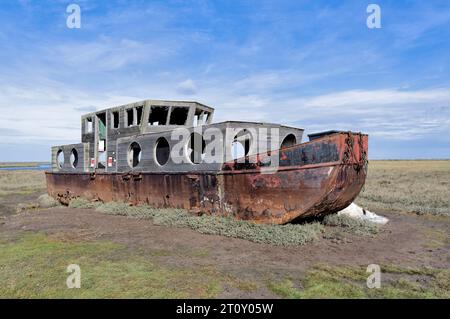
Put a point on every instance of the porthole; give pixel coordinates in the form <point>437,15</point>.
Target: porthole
<point>134,154</point>
<point>74,158</point>
<point>162,151</point>
<point>196,148</point>
<point>289,140</point>
<point>60,159</point>
<point>240,146</point>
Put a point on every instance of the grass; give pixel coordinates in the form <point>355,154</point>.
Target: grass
<point>107,271</point>
<point>21,182</point>
<point>350,282</point>
<point>280,235</point>
<point>422,187</point>
<point>351,225</point>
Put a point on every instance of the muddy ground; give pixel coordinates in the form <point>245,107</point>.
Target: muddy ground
<point>408,240</point>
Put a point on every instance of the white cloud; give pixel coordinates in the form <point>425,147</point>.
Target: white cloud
<point>187,87</point>
<point>107,54</point>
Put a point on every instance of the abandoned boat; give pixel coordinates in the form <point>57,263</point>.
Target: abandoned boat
<point>171,154</point>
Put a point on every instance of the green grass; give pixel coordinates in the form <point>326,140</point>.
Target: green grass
<point>421,187</point>
<point>281,235</point>
<point>350,282</point>
<point>34,266</point>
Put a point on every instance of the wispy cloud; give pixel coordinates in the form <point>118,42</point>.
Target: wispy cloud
<point>311,64</point>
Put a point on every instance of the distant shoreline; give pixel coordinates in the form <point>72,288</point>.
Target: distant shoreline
<point>23,164</point>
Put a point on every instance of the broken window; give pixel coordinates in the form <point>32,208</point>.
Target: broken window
<point>288,141</point>
<point>199,117</point>
<point>196,148</point>
<point>89,125</point>
<point>158,115</point>
<point>134,154</point>
<point>240,146</point>
<point>139,110</point>
<point>115,119</point>
<point>179,115</point>
<point>162,151</point>
<point>101,125</point>
<point>130,117</point>
<point>206,117</point>
<point>74,158</point>
<point>60,159</point>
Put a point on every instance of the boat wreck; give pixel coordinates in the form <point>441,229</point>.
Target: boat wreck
<point>171,154</point>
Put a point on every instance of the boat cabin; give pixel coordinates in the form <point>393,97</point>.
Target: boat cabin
<point>139,137</point>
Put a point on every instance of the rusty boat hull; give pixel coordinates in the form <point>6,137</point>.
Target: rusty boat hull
<point>315,178</point>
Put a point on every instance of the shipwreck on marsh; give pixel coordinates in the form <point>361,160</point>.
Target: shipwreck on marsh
<point>171,154</point>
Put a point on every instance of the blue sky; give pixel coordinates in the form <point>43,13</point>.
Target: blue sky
<point>312,64</point>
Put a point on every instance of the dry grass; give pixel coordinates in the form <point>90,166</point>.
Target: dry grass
<point>21,182</point>
<point>352,225</point>
<point>422,187</point>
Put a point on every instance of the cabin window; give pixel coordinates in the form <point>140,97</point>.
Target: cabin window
<point>200,117</point>
<point>206,117</point>
<point>158,115</point>
<point>115,119</point>
<point>130,117</point>
<point>60,159</point>
<point>89,125</point>
<point>196,148</point>
<point>288,141</point>
<point>240,146</point>
<point>134,154</point>
<point>74,158</point>
<point>179,115</point>
<point>162,151</point>
<point>139,114</point>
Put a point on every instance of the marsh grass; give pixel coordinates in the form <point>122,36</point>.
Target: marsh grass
<point>350,282</point>
<point>421,187</point>
<point>352,225</point>
<point>34,266</point>
<point>21,182</point>
<point>280,235</point>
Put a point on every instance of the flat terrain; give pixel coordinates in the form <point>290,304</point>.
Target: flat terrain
<point>122,256</point>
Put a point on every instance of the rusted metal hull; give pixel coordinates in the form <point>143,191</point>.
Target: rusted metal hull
<point>313,179</point>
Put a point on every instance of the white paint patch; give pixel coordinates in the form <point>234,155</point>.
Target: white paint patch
<point>330,170</point>
<point>354,211</point>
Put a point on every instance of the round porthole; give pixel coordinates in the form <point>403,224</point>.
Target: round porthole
<point>240,146</point>
<point>162,151</point>
<point>134,154</point>
<point>60,159</point>
<point>196,148</point>
<point>74,158</point>
<point>288,141</point>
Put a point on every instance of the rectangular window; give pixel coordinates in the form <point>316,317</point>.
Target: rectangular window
<point>139,110</point>
<point>115,119</point>
<point>130,117</point>
<point>206,117</point>
<point>179,115</point>
<point>89,125</point>
<point>158,115</point>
